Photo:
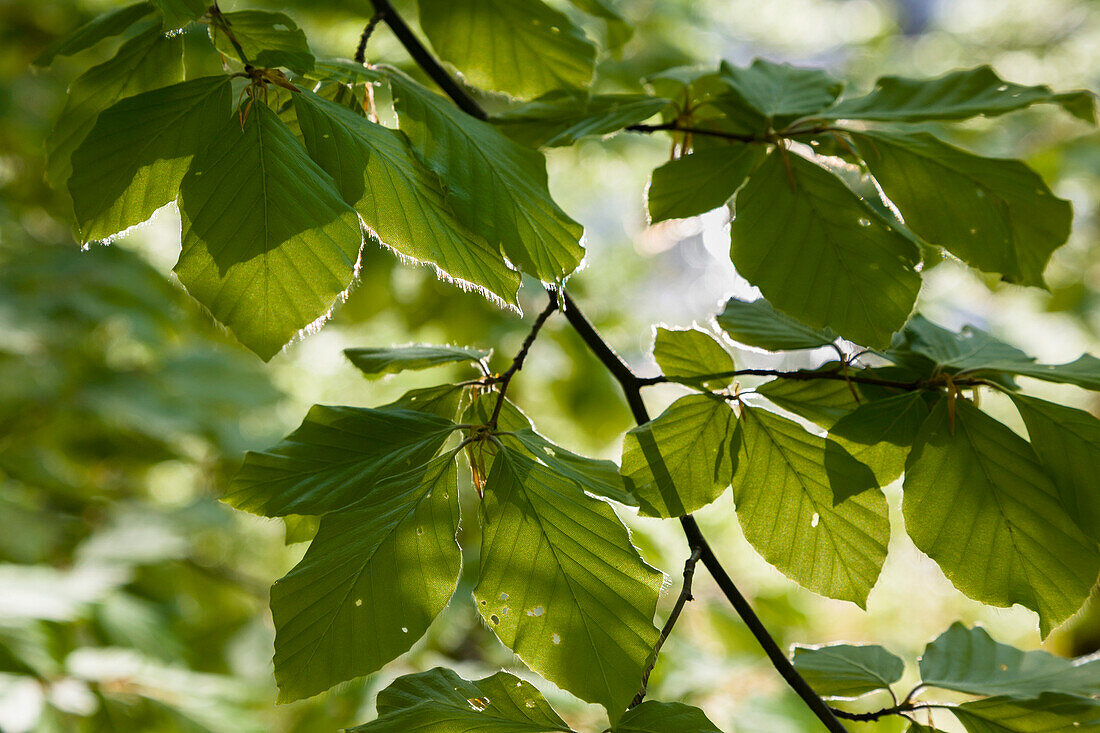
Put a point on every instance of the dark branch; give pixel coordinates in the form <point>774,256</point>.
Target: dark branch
<point>904,706</point>
<point>517,363</point>
<point>673,616</point>
<point>361,49</point>
<point>675,127</point>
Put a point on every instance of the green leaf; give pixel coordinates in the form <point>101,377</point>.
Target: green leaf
<point>268,245</point>
<point>563,117</point>
<point>918,728</point>
<point>756,323</point>
<point>665,717</point>
<point>1067,441</point>
<point>522,47</point>
<point>970,661</point>
<point>268,40</point>
<point>821,401</point>
<point>136,155</point>
<point>996,215</point>
<point>598,477</point>
<point>375,362</point>
<point>1048,714</point>
<point>511,419</point>
<point>496,187</point>
<point>979,503</point>
<point>954,96</point>
<point>968,350</point>
<point>443,400</point>
<point>335,458</point>
<point>439,701</point>
<point>618,30</point>
<point>562,586</point>
<point>401,201</point>
<point>787,504</point>
<point>847,671</point>
<point>1083,372</point>
<point>697,183</point>
<point>680,461</point>
<point>147,61</point>
<point>103,26</point>
<point>821,254</point>
<point>879,434</point>
<point>370,584</point>
<point>178,13</point>
<point>687,354</point>
<point>776,90</point>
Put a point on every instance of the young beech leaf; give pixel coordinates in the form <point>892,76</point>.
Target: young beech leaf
<point>1083,371</point>
<point>496,187</point>
<point>375,362</point>
<point>370,584</point>
<point>136,155</point>
<point>105,25</point>
<point>979,503</point>
<point>598,477</point>
<point>997,215</point>
<point>522,47</point>
<point>338,456</point>
<point>756,323</point>
<point>1050,713</point>
<point>781,90</point>
<point>268,40</point>
<point>847,671</point>
<point>970,661</point>
<point>820,254</point>
<point>686,354</point>
<point>562,586</point>
<point>697,183</point>
<point>665,717</point>
<point>787,503</point>
<point>562,117</point>
<point>268,244</point>
<point>821,401</point>
<point>680,461</point>
<point>441,700</point>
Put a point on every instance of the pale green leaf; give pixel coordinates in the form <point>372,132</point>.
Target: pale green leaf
<point>268,40</point>
<point>336,457</point>
<point>496,187</point>
<point>522,47</point>
<point>1048,714</point>
<point>136,155</point>
<point>439,701</point>
<point>562,586</point>
<point>879,434</point>
<point>1067,441</point>
<point>299,528</point>
<point>665,717</point>
<point>268,245</point>
<point>401,201</point>
<point>375,362</point>
<point>680,461</point>
<point>821,401</point>
<point>954,96</point>
<point>370,584</point>
<point>598,477</point>
<point>147,61</point>
<point>821,254</point>
<point>105,25</point>
<point>687,354</point>
<point>786,501</point>
<point>776,90</point>
<point>996,215</point>
<point>511,419</point>
<point>697,183</point>
<point>847,671</point>
<point>970,661</point>
<point>979,503</point>
<point>756,323</point>
<point>563,117</point>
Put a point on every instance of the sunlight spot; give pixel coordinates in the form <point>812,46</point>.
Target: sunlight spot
<point>815,519</point>
<point>358,602</point>
<point>864,222</point>
<point>503,596</point>
<point>555,638</point>
<point>973,230</point>
<point>404,629</point>
<point>530,703</point>
<point>478,703</point>
<point>1002,88</point>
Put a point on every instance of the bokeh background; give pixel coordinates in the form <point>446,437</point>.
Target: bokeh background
<point>132,600</point>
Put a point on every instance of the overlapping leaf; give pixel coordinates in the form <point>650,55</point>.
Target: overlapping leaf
<point>971,349</point>
<point>821,401</point>
<point>563,116</point>
<point>395,359</point>
<point>1083,371</point>
<point>268,40</point>
<point>103,26</point>
<point>757,323</point>
<point>595,476</point>
<point>697,183</point>
<point>781,90</point>
<point>879,434</point>
<point>1051,713</point>
<point>848,670</point>
<point>178,13</point>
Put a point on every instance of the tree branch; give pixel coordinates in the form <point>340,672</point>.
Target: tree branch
<point>361,49</point>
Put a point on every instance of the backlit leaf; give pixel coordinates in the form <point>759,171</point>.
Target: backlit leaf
<point>776,90</point>
<point>375,362</point>
<point>562,117</point>
<point>651,716</point>
<point>879,434</point>
<point>1048,714</point>
<point>694,184</point>
<point>821,401</point>
<point>847,670</point>
<point>756,323</point>
<point>268,40</point>
<point>687,354</point>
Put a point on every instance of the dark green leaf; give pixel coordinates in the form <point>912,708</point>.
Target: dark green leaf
<point>109,24</point>
<point>562,586</point>
<point>378,361</point>
<point>997,215</point>
<point>268,40</point>
<point>968,350</point>
<point>563,117</point>
<point>776,90</point>
<point>497,187</point>
<point>370,584</point>
<point>787,504</point>
<point>756,323</point>
<point>1048,714</point>
<point>979,503</point>
<point>879,434</point>
<point>680,461</point>
<point>522,47</point>
<point>697,183</point>
<point>970,661</point>
<point>684,355</point>
<point>954,96</point>
<point>821,254</point>
<point>595,476</point>
<point>618,30</point>
<point>443,400</point>
<point>848,670</point>
<point>665,717</point>
<point>178,13</point>
<point>338,456</point>
<point>136,155</point>
<point>401,201</point>
<point>439,701</point>
<point>821,401</point>
<point>1083,372</point>
<point>268,245</point>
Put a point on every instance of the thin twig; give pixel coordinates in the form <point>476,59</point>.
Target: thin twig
<point>903,707</point>
<point>361,49</point>
<point>673,616</point>
<point>517,363</point>
<point>676,127</point>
